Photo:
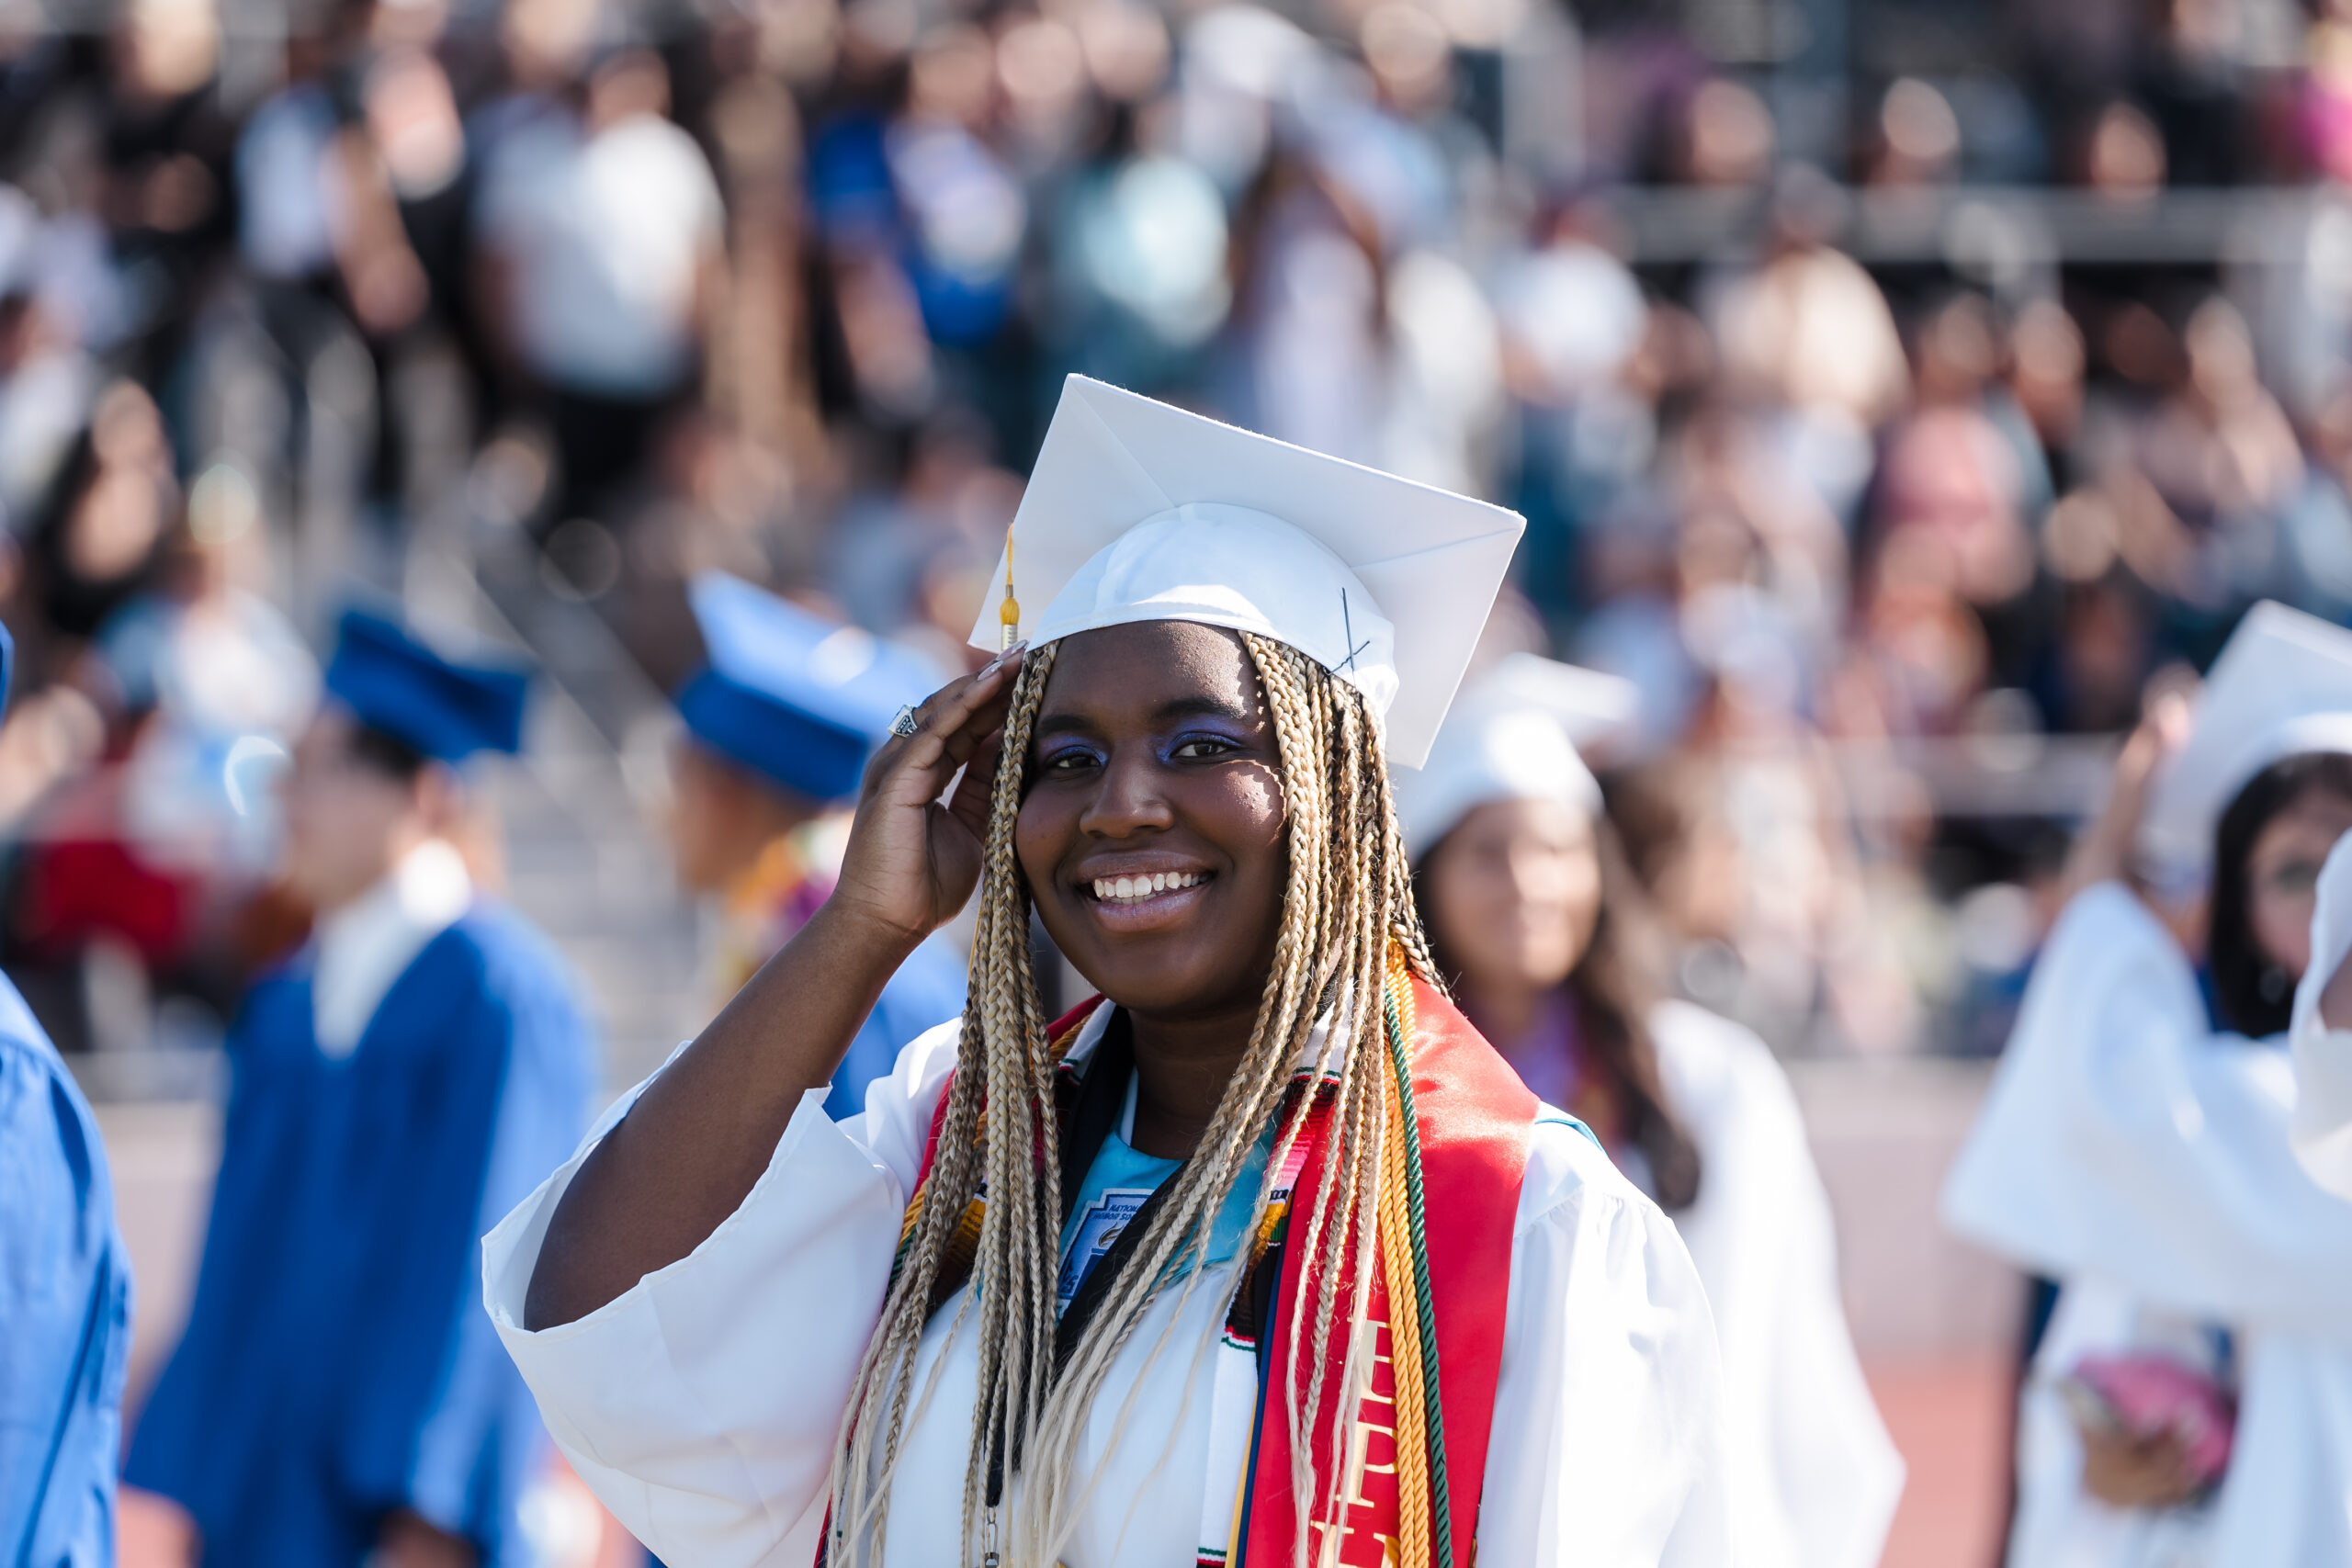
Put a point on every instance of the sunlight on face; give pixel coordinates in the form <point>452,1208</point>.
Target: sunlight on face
<point>1515,892</point>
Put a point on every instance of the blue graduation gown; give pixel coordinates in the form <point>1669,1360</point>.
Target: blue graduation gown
<point>64,1311</point>
<point>337,1363</point>
<point>926,992</point>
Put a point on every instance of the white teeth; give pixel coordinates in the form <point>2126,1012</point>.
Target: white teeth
<point>1131,889</point>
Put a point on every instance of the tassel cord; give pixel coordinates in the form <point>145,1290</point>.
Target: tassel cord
<point>1411,1433</point>
<point>1396,1007</point>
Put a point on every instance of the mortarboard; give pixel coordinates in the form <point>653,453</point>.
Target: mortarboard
<point>1513,736</point>
<point>1140,512</point>
<point>397,683</point>
<point>2281,687</point>
<point>798,699</point>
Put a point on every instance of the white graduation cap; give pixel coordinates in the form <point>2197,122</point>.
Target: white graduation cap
<point>1140,512</point>
<point>1513,736</point>
<point>2282,687</point>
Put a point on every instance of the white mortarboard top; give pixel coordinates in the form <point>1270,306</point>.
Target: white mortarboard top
<point>1513,736</point>
<point>1140,512</point>
<point>2281,687</point>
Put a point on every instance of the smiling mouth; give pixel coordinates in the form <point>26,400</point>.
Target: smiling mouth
<point>1129,891</point>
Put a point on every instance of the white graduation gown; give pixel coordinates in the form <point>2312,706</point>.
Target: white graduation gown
<point>2143,1161</point>
<point>1814,1478</point>
<point>2324,1056</point>
<point>703,1405</point>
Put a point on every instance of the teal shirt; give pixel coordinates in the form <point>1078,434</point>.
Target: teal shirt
<point>1119,1182</point>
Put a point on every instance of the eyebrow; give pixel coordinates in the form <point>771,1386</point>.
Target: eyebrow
<point>1166,712</point>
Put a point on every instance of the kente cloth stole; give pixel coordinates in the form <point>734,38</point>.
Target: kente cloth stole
<point>1427,1351</point>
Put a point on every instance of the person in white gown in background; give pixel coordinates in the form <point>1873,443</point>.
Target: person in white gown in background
<point>2322,1033</point>
<point>1533,919</point>
<point>2136,1146</point>
<point>1133,1316</point>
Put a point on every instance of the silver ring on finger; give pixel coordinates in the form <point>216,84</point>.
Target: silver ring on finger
<point>905,722</point>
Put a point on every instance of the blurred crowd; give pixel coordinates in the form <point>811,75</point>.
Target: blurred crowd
<point>292,291</point>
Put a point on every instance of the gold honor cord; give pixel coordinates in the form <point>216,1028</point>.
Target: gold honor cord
<point>1433,1485</point>
<point>1413,1501</point>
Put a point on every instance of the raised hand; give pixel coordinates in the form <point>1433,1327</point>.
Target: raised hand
<point>912,861</point>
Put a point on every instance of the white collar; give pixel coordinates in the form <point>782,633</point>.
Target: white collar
<point>370,942</point>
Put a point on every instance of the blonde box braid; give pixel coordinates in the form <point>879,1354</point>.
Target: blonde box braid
<point>1348,897</point>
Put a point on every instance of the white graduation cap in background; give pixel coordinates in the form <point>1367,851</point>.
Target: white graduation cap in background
<point>2281,687</point>
<point>1140,512</point>
<point>1514,735</point>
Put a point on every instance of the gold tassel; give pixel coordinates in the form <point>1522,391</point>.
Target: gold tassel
<point>1008,614</point>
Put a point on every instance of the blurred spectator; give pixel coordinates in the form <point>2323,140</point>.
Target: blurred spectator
<point>1808,328</point>
<point>46,379</point>
<point>602,248</point>
<point>2324,113</point>
<point>165,153</point>
<point>1918,136</point>
<point>98,535</point>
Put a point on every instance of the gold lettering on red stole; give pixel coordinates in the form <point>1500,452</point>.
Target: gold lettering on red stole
<point>1364,1534</point>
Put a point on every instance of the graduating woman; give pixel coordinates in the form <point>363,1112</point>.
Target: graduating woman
<point>1265,1257</point>
<point>1530,913</point>
<point>2191,1400</point>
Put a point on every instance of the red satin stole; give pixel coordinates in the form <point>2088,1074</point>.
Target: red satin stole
<point>1475,1121</point>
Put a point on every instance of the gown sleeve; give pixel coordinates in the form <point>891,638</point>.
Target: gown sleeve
<point>702,1405</point>
<point>2122,1139</point>
<point>1814,1476</point>
<point>1607,1444</point>
<point>64,1313</point>
<point>2322,1127</point>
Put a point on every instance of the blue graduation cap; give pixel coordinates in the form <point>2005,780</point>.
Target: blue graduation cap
<point>799,700</point>
<point>396,683</point>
